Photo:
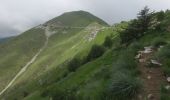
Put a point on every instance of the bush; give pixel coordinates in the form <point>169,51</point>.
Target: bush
<point>74,64</point>
<point>158,41</point>
<point>108,42</point>
<point>124,87</point>
<point>95,52</point>
<point>165,93</point>
<point>164,53</point>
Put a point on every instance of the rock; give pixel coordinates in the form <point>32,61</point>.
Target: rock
<point>138,56</point>
<point>168,79</point>
<point>150,96</point>
<point>148,49</point>
<point>141,60</point>
<point>167,87</point>
<point>149,77</point>
<point>156,62</point>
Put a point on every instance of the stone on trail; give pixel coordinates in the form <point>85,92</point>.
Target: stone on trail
<point>156,62</point>
<point>167,87</point>
<point>150,96</point>
<point>138,56</point>
<point>148,49</point>
<point>168,79</point>
<point>149,77</point>
<point>141,60</point>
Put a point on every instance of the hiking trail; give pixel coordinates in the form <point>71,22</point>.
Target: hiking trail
<point>152,77</point>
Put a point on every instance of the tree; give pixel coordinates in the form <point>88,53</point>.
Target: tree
<point>144,19</point>
<point>160,15</point>
<point>138,27</point>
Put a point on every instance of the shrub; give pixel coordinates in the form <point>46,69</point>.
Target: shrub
<point>25,94</point>
<point>124,87</point>
<point>158,41</point>
<point>74,64</point>
<point>166,70</point>
<point>164,53</point>
<point>165,93</point>
<point>108,42</point>
<point>95,52</point>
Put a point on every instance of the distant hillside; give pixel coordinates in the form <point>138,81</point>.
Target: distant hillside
<point>5,39</point>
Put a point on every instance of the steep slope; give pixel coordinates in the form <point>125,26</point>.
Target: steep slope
<point>16,52</point>
<point>77,34</point>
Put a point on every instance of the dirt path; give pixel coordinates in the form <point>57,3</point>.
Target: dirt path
<point>152,78</point>
<point>48,34</point>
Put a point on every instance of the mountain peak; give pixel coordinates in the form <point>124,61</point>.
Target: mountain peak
<point>76,19</point>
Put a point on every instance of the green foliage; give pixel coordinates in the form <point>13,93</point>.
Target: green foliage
<point>166,69</point>
<point>74,64</point>
<point>160,15</point>
<point>164,56</point>
<point>158,42</point>
<point>124,87</point>
<point>108,42</point>
<point>57,94</point>
<point>164,53</point>
<point>138,27</point>
<point>95,52</point>
<point>165,93</point>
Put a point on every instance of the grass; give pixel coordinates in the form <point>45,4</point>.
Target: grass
<point>17,52</point>
<point>47,68</point>
<point>111,76</point>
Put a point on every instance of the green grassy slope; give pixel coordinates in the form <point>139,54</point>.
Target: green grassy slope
<point>94,80</point>
<point>16,52</point>
<point>62,46</point>
<point>112,76</point>
<point>55,55</point>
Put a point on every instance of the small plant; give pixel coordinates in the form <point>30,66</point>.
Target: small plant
<point>165,93</point>
<point>158,42</point>
<point>166,70</point>
<point>124,87</point>
<point>164,53</point>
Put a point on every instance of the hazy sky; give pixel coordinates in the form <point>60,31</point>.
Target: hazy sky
<point>17,16</point>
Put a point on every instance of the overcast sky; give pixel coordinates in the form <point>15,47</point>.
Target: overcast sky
<point>16,16</point>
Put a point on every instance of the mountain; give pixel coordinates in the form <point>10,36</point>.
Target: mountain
<point>77,56</point>
<point>44,48</point>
